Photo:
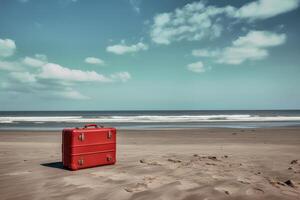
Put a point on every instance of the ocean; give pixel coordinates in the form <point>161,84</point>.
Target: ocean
<point>57,120</point>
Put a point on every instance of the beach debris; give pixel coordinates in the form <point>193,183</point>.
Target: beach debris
<point>149,162</point>
<point>225,156</point>
<point>128,189</point>
<point>290,168</point>
<point>196,155</point>
<point>281,183</point>
<point>214,158</point>
<point>290,183</point>
<point>174,160</point>
<point>293,162</point>
<point>210,163</point>
<point>226,192</point>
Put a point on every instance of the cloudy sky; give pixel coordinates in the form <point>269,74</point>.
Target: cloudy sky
<point>142,54</point>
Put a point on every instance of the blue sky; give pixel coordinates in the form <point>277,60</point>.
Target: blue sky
<point>141,54</point>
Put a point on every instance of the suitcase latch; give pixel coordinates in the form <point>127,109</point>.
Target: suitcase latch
<point>80,162</point>
<point>109,158</point>
<point>109,135</point>
<point>81,137</point>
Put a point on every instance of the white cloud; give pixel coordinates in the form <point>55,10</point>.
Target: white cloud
<point>55,71</point>
<point>24,77</point>
<point>7,47</point>
<point>10,66</point>
<point>253,46</point>
<point>94,61</point>
<point>123,76</point>
<point>238,55</point>
<point>260,39</point>
<point>263,9</point>
<point>34,62</point>
<point>197,67</point>
<point>45,70</point>
<point>48,79</point>
<point>194,21</point>
<point>122,48</point>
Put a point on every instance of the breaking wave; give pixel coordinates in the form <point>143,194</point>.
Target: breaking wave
<point>149,118</point>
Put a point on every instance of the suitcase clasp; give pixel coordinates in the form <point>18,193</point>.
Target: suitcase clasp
<point>109,135</point>
<point>80,162</point>
<point>109,158</point>
<point>81,137</point>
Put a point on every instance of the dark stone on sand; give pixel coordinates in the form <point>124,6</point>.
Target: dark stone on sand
<point>210,163</point>
<point>293,162</point>
<point>225,156</point>
<point>290,183</point>
<point>290,168</point>
<point>149,162</point>
<point>195,155</point>
<point>174,161</point>
<point>234,133</point>
<point>226,192</point>
<point>212,158</point>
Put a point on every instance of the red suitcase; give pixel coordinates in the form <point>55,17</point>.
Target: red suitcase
<point>88,147</point>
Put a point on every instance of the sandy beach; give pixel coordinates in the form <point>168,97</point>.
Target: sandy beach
<point>158,164</point>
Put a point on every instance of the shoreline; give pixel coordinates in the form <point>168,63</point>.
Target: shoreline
<point>158,129</point>
<point>165,129</point>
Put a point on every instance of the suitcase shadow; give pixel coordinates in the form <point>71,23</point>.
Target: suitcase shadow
<point>57,165</point>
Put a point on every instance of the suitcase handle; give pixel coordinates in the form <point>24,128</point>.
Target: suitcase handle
<point>94,125</point>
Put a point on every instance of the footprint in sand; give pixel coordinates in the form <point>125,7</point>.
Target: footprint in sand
<point>136,188</point>
<point>254,191</point>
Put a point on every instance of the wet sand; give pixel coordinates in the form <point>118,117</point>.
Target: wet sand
<point>162,164</point>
